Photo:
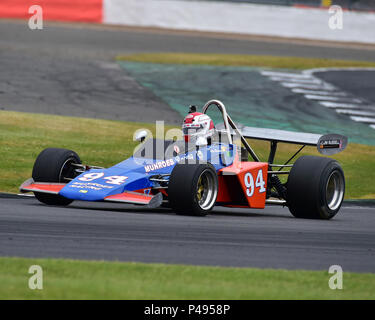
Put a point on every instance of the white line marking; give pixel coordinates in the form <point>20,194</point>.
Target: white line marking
<point>312,71</point>
<point>355,112</point>
<point>328,104</point>
<point>316,92</point>
<point>316,89</point>
<point>305,81</point>
<point>109,65</point>
<point>307,86</point>
<point>285,74</point>
<point>363,119</point>
<point>317,97</point>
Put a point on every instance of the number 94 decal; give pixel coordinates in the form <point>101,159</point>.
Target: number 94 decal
<point>96,175</point>
<point>251,186</point>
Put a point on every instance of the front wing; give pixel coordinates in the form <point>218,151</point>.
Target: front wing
<point>125,197</point>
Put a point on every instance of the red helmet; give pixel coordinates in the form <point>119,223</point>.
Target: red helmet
<point>197,125</point>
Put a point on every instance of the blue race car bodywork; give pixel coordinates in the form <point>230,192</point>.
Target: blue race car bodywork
<point>139,179</point>
<point>135,174</point>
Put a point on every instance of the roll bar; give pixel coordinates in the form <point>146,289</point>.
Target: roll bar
<point>228,122</point>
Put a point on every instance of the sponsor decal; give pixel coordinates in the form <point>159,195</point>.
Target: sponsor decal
<point>191,125</point>
<point>186,157</point>
<point>167,163</point>
<point>89,185</point>
<point>330,144</point>
<point>217,149</point>
<point>159,165</point>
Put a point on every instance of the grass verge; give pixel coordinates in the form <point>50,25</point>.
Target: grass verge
<point>104,143</point>
<point>74,279</point>
<point>23,136</point>
<point>243,60</point>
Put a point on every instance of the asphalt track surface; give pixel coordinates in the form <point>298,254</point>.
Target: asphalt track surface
<point>269,238</point>
<point>360,83</point>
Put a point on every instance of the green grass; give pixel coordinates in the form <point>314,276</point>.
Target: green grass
<point>23,136</point>
<point>72,279</point>
<point>104,143</point>
<point>242,60</point>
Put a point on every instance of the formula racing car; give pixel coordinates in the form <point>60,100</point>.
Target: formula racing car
<point>210,166</point>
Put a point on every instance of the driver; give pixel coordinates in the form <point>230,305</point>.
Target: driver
<point>198,128</point>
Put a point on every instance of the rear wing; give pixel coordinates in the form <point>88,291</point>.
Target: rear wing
<point>310,139</point>
<point>326,144</point>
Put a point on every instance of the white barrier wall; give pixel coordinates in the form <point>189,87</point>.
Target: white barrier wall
<point>239,18</point>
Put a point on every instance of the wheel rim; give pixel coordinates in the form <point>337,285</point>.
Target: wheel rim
<point>206,190</point>
<point>334,190</point>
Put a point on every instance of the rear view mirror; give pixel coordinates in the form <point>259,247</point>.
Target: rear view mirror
<point>141,136</point>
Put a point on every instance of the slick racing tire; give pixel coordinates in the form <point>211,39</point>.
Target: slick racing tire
<point>54,165</point>
<point>193,189</point>
<point>315,188</point>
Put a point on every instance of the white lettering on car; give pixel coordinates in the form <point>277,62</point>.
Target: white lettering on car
<point>159,165</point>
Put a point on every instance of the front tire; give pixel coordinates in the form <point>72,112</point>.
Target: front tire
<point>54,165</point>
<point>193,189</point>
<point>315,188</point>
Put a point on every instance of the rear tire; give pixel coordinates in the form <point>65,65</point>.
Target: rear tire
<point>193,189</point>
<point>54,165</point>
<point>315,188</point>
